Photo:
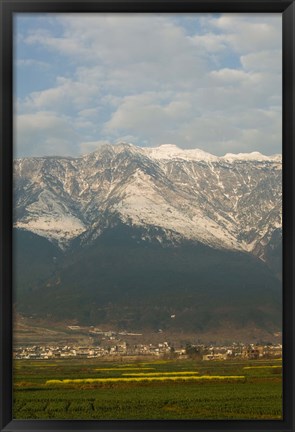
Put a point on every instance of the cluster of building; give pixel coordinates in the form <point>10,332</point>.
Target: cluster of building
<point>164,349</point>
<point>72,351</point>
<point>110,343</point>
<point>250,352</point>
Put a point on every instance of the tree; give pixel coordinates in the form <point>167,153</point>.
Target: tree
<point>193,351</point>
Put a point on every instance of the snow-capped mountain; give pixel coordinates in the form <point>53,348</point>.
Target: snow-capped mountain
<point>232,202</point>
<point>127,236</point>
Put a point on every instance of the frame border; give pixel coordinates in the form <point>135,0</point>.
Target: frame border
<point>7,9</point>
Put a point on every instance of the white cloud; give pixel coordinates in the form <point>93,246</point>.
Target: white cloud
<point>67,93</point>
<point>44,133</point>
<point>263,61</point>
<point>210,42</point>
<point>233,76</point>
<point>143,77</point>
<point>247,33</point>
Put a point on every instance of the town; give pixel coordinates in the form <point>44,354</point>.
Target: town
<point>111,344</point>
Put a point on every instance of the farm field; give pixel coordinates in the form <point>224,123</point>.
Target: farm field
<point>160,389</point>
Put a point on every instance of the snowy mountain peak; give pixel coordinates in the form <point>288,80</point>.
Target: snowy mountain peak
<point>171,151</point>
<point>167,152</point>
<point>111,149</point>
<point>253,156</point>
<point>123,145</point>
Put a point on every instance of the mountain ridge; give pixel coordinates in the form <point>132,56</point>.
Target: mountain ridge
<point>190,193</point>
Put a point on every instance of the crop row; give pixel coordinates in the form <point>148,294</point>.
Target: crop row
<point>123,368</point>
<point>147,374</point>
<point>262,367</point>
<point>165,378</point>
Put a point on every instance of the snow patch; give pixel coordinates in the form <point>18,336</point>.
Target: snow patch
<point>254,156</point>
<point>171,151</point>
<point>60,229</point>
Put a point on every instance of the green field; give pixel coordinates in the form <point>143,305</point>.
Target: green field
<point>175,389</point>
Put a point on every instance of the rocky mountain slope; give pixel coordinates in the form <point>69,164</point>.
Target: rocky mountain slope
<point>232,202</point>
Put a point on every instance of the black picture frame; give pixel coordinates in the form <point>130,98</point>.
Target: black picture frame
<point>7,9</point>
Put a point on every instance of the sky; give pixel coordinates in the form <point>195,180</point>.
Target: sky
<point>212,82</point>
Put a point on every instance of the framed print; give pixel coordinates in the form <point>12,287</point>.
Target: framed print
<point>147,215</point>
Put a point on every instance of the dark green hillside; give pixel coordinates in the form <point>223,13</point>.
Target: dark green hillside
<point>274,253</point>
<point>124,281</point>
<point>35,260</point>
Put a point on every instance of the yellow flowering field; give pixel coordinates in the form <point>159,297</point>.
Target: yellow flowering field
<point>123,368</point>
<point>161,373</point>
<point>261,367</point>
<point>140,379</point>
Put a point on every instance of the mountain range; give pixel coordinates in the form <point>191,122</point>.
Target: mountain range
<point>131,236</point>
